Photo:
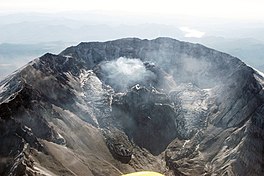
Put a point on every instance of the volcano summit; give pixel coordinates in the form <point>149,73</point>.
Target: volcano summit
<point>110,108</point>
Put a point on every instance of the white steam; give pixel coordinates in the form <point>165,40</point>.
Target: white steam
<point>123,73</point>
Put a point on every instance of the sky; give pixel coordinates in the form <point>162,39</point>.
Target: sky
<point>232,26</point>
<point>231,9</point>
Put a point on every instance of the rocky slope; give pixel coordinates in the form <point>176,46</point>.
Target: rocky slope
<point>107,108</point>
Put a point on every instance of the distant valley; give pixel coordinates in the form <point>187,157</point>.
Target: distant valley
<point>27,36</point>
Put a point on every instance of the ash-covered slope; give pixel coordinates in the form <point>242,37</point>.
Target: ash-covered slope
<point>128,105</point>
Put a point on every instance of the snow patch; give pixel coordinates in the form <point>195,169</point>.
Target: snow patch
<point>187,141</point>
<point>259,76</point>
<point>197,147</point>
<point>207,90</point>
<point>84,76</point>
<point>3,88</point>
<point>42,171</point>
<point>258,72</point>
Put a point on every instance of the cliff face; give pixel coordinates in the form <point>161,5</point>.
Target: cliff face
<point>128,105</point>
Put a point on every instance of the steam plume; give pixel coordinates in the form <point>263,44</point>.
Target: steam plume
<point>123,73</point>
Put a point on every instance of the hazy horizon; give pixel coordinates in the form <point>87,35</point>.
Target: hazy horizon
<point>29,28</point>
